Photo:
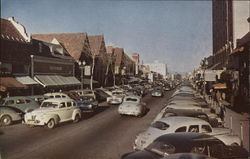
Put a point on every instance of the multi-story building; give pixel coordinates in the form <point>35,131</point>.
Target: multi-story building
<point>136,59</point>
<point>158,67</point>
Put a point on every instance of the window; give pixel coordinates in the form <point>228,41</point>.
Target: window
<point>20,101</point>
<point>62,105</point>
<point>74,104</point>
<point>160,125</point>
<point>69,104</point>
<point>193,128</point>
<point>181,129</point>
<point>57,96</point>
<point>206,129</point>
<point>27,101</point>
<point>63,96</point>
<point>8,102</point>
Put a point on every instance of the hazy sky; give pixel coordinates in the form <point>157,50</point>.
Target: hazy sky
<point>178,33</point>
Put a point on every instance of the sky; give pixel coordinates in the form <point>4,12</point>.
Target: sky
<point>178,33</point>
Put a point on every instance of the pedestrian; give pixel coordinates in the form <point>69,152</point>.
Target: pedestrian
<point>222,112</point>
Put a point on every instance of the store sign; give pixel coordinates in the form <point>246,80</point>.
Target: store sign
<point>87,70</point>
<point>210,75</point>
<point>48,68</point>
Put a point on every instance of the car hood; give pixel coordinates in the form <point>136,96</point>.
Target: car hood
<point>220,131</point>
<point>141,155</point>
<point>41,110</point>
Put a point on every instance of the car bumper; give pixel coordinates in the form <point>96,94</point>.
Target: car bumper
<point>114,101</point>
<point>33,122</point>
<point>124,112</point>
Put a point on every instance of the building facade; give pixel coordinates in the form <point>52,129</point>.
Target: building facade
<point>158,67</point>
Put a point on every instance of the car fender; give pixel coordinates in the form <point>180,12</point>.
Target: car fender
<point>76,112</point>
<point>48,117</point>
<point>229,139</point>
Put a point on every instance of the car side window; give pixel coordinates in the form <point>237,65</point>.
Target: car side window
<point>63,96</point>
<point>193,128</point>
<point>27,101</point>
<point>69,104</point>
<point>206,129</point>
<point>8,102</point>
<point>20,101</point>
<point>74,104</point>
<point>51,96</point>
<point>62,105</point>
<point>181,129</point>
<point>57,96</point>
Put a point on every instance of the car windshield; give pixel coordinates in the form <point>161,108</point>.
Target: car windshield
<point>49,104</point>
<point>117,93</point>
<point>131,100</point>
<point>87,98</point>
<point>2,102</point>
<point>160,125</point>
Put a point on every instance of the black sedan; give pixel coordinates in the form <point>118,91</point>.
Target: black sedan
<point>188,143</point>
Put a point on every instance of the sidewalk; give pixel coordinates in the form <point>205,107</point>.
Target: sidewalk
<point>239,123</point>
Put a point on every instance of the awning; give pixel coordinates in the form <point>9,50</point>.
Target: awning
<point>10,83</point>
<point>26,80</point>
<point>56,80</point>
<point>87,81</point>
<point>216,66</point>
<point>220,86</point>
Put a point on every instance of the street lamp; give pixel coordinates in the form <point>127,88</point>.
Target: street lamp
<point>81,66</point>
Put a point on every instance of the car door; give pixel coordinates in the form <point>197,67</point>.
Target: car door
<point>63,111</point>
<point>70,109</point>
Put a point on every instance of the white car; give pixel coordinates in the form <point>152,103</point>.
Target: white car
<point>52,112</point>
<point>117,97</point>
<point>132,105</point>
<point>183,124</point>
<point>56,95</point>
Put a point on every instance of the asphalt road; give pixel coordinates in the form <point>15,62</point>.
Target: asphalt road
<point>103,135</point>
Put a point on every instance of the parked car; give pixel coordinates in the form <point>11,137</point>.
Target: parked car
<point>102,94</point>
<point>117,97</point>
<point>9,114</point>
<point>183,124</point>
<point>88,103</point>
<point>157,92</point>
<point>198,143</point>
<point>38,98</point>
<point>132,105</point>
<point>56,95</point>
<point>23,103</point>
<point>54,111</point>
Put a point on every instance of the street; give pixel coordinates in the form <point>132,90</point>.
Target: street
<point>104,135</point>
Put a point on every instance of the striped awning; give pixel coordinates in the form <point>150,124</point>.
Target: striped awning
<point>56,80</point>
<point>26,80</point>
<point>220,86</point>
<point>10,83</point>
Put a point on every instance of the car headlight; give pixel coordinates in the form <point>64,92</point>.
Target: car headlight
<point>90,105</point>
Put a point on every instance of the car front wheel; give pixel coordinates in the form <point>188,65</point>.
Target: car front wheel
<point>77,118</point>
<point>51,124</point>
<point>6,120</point>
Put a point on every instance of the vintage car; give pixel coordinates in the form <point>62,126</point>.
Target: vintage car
<point>25,104</point>
<point>181,112</point>
<point>54,111</point>
<point>9,114</point>
<point>56,95</point>
<point>183,124</point>
<point>38,98</point>
<point>132,105</point>
<point>117,97</point>
<point>186,142</point>
<point>157,92</point>
<point>102,94</point>
<point>84,92</point>
<point>88,103</point>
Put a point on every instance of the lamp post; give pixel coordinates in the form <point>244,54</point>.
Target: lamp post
<point>81,66</point>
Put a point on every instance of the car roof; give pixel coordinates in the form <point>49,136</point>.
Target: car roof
<point>182,120</point>
<point>184,111</point>
<point>55,93</point>
<point>58,100</point>
<point>186,138</point>
<point>17,97</point>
